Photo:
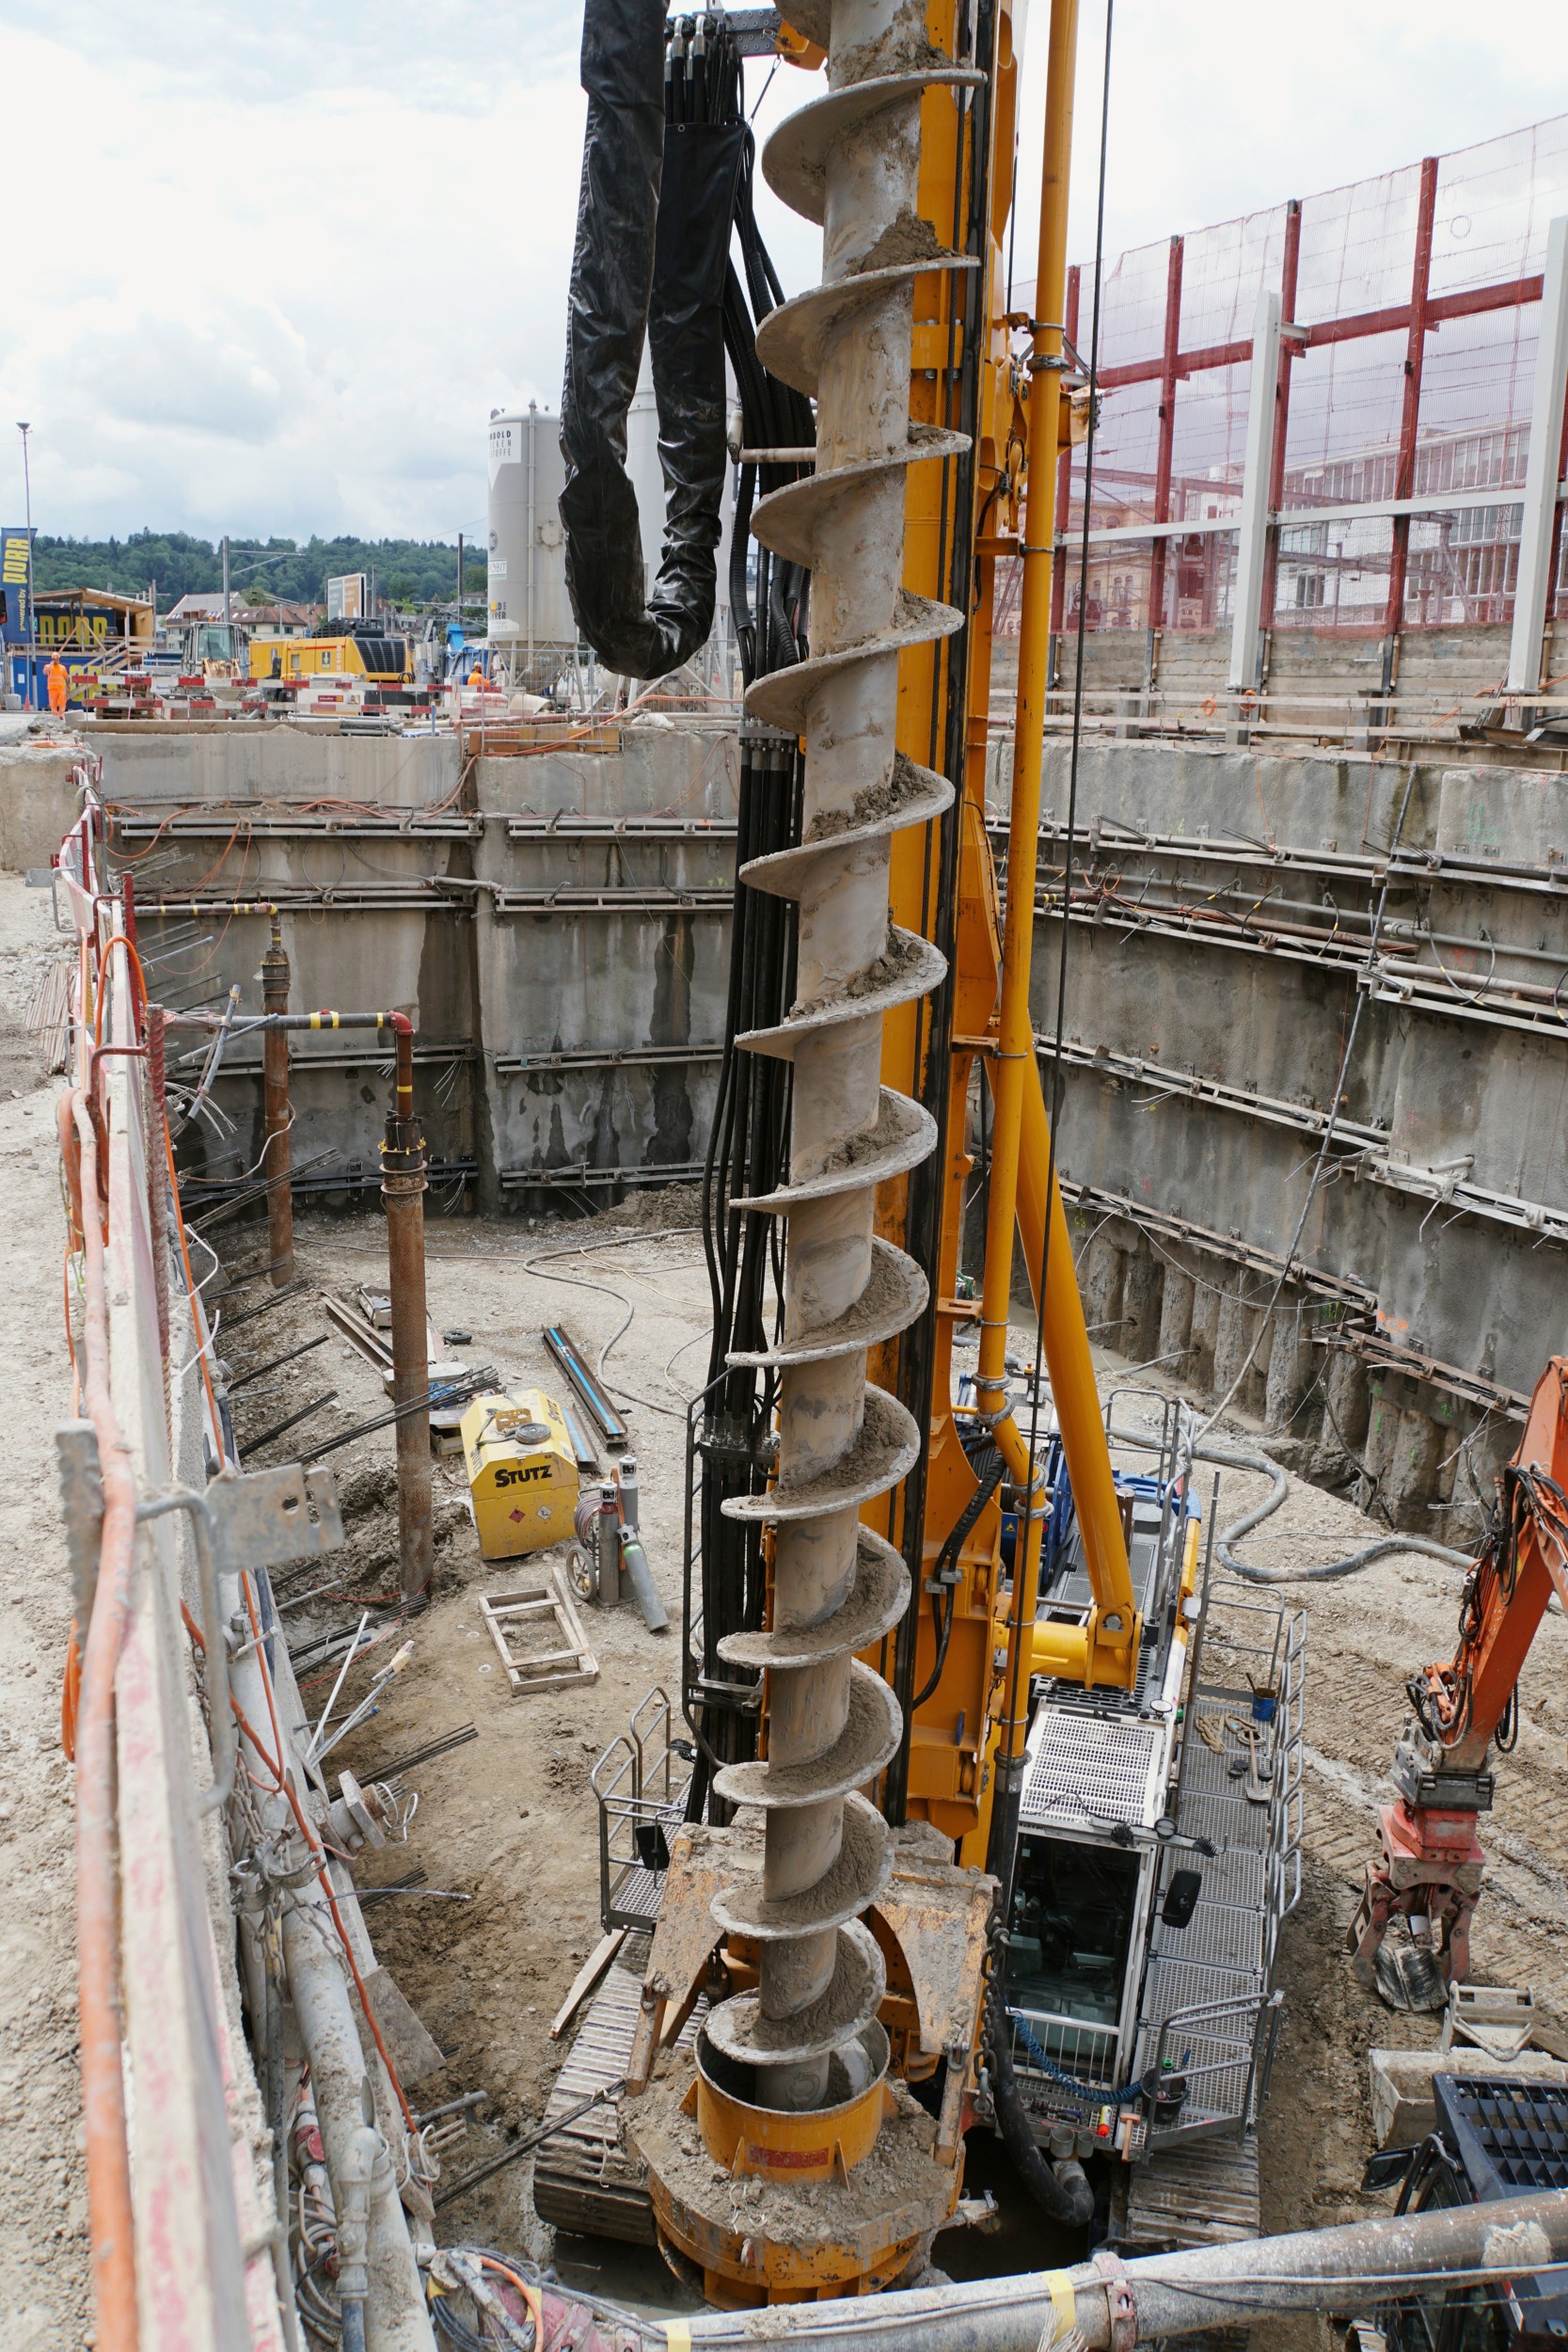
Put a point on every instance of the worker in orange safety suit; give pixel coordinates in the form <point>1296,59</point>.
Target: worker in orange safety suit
<point>55,678</point>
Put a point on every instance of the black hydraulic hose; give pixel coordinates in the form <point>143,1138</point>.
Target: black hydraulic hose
<point>746,1151</point>
<point>1065,2196</point>
<point>989,1470</point>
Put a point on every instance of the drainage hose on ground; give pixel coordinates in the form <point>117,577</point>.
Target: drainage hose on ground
<point>1241,1457</point>
<point>1322,1572</point>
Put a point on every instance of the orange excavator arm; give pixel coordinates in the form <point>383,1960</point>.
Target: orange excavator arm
<point>1431,1863</point>
<point>1506,1591</point>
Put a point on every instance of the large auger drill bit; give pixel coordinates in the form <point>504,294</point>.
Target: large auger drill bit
<point>808,2037</point>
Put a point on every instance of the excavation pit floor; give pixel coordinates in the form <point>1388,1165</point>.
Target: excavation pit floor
<point>510,1820</point>
<point>506,1831</point>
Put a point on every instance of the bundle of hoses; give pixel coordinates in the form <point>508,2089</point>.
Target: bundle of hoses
<point>666,177</point>
<point>1062,2189</point>
<point>1245,1458</point>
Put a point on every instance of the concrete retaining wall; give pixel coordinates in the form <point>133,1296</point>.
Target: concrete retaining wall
<point>1220,980</point>
<point>557,926</point>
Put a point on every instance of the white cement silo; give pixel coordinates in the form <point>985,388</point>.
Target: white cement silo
<point>530,611</point>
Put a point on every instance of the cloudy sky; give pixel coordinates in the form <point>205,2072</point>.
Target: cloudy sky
<point>278,264</point>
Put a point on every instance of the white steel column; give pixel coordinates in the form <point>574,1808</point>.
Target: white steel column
<point>1252,536</point>
<point>1534,587</point>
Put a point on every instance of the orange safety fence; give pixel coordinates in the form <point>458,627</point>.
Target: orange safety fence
<point>168,2226</point>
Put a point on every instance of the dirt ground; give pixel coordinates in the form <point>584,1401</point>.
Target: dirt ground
<point>510,1818</point>
<point>44,2300</point>
<point>506,1827</point>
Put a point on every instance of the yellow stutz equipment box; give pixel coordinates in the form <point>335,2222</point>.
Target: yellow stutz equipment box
<point>522,1472</point>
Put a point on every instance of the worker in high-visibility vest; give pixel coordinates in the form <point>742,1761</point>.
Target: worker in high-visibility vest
<point>55,678</point>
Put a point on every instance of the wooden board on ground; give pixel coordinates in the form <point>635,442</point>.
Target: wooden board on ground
<point>586,1978</point>
<point>539,1611</point>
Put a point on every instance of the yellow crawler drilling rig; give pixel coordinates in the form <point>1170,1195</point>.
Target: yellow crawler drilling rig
<point>863,1638</point>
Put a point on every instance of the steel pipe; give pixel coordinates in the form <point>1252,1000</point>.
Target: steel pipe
<point>276,1114</point>
<point>348,2096</point>
<point>403,1189</point>
<point>1021,1151</point>
<point>374,2235</point>
<point>1351,2268</point>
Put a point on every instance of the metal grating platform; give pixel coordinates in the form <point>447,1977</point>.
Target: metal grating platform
<point>1107,1771</point>
<point>1221,1936</point>
<point>636,1895</point>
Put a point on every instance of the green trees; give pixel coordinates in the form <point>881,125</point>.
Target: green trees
<point>410,571</point>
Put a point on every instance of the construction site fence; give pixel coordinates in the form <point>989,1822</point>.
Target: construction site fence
<point>1410,312</point>
<point>189,2142</point>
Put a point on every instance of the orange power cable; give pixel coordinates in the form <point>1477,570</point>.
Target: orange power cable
<point>109,2208</point>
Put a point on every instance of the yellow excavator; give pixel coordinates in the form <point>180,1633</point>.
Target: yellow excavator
<point>945,1857</point>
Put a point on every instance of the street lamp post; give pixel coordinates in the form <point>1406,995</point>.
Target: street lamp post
<point>32,618</point>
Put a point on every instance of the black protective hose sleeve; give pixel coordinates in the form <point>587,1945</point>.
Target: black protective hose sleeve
<point>1071,2200</point>
<point>653,216</point>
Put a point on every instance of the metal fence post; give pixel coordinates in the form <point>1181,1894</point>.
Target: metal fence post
<point>1253,523</point>
<point>1537,536</point>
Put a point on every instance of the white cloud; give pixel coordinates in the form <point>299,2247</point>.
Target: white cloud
<point>1228,106</point>
<point>282,262</point>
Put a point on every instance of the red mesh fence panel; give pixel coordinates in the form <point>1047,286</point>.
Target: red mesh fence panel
<point>1357,256</point>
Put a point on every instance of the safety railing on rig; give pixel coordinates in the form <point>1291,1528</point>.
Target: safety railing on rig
<point>1209,2070</point>
<point>1063,2064</point>
<point>641,1782</point>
